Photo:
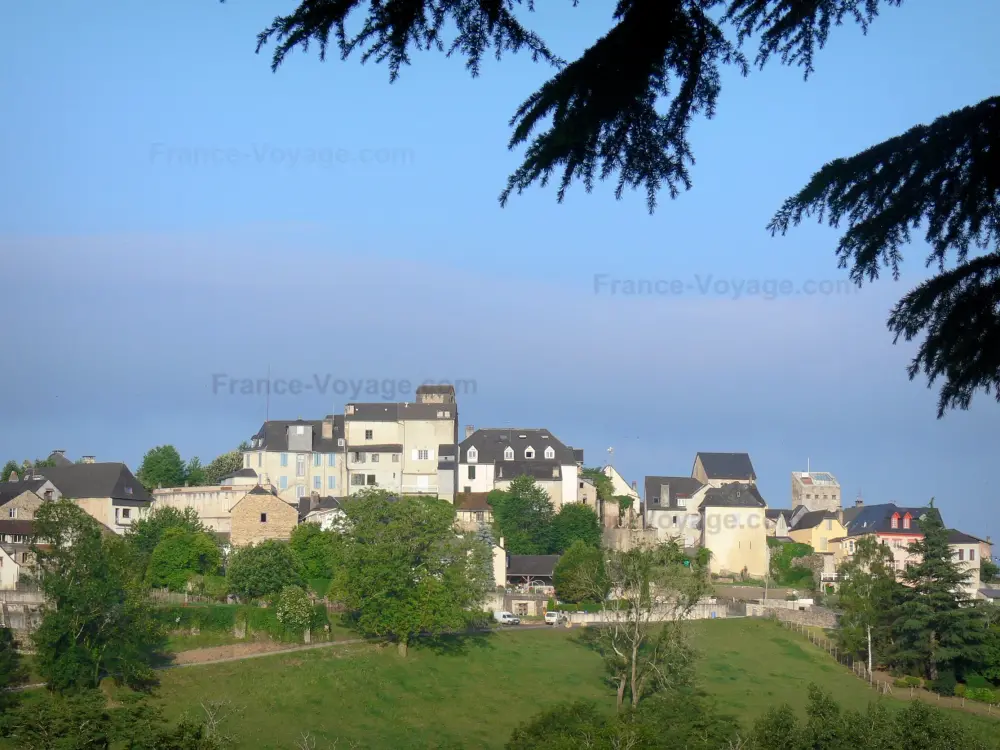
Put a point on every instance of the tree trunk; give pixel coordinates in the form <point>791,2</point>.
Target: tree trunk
<point>403,646</point>
<point>621,691</point>
<point>932,670</point>
<point>635,677</point>
<point>869,627</point>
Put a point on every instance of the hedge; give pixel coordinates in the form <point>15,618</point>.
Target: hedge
<point>224,617</point>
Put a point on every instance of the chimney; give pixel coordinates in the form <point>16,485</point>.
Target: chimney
<point>328,428</point>
<point>469,429</point>
<point>88,459</point>
<point>635,485</point>
<point>314,501</point>
<point>859,503</point>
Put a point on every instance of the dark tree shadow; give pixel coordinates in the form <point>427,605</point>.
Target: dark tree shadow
<point>455,644</point>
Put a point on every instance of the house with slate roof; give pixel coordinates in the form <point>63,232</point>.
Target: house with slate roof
<point>717,469</point>
<point>733,529</point>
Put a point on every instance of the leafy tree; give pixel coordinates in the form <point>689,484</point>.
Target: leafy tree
<point>866,597</point>
<point>575,522</point>
<point>643,639</point>
<point>262,570</point>
<point>98,621</point>
<point>917,726</point>
<point>933,628</point>
<point>194,473</point>
<point>523,515</point>
<point>405,570</point>
<point>224,465</point>
<point>161,467</point>
<point>991,654</point>
<point>147,532</point>
<point>783,569</point>
<point>314,550</point>
<point>181,555</point>
<point>602,483</point>
<point>625,106</point>
<point>294,610</point>
<point>12,672</point>
<point>574,576</point>
<point>988,570</point>
<point>11,467</point>
<point>485,537</point>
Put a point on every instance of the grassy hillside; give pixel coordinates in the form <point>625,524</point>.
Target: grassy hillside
<point>473,696</point>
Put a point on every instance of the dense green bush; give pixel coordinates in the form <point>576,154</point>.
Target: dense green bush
<point>983,695</point>
<point>320,586</point>
<point>213,617</point>
<point>945,684</point>
<point>976,681</point>
<point>224,617</point>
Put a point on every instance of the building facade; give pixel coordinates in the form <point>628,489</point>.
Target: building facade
<point>816,490</point>
<point>299,457</point>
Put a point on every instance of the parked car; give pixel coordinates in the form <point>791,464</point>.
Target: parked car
<point>554,618</point>
<point>506,618</point>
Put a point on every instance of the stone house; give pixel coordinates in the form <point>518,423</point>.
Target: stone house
<point>261,515</point>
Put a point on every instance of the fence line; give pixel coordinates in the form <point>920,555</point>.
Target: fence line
<point>883,687</point>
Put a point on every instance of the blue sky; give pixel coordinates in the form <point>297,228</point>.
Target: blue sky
<point>356,233</point>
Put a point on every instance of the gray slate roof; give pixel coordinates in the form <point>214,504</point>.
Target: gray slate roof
<point>735,466</point>
<point>773,513</point>
<point>241,473</point>
<point>542,566</point>
<point>541,470</point>
<point>383,448</point>
<point>490,443</point>
<point>960,537</point>
<point>15,526</point>
<point>399,412</point>
<point>683,487</point>
<point>990,593</point>
<point>112,480</point>
<point>812,519</point>
<point>59,459</point>
<point>877,519</point>
<point>10,490</point>
<point>274,434</point>
<point>851,513</point>
<point>734,495</point>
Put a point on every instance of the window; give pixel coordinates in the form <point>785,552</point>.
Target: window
<point>260,459</point>
<point>529,452</point>
<point>300,430</point>
<point>581,485</point>
<point>284,459</point>
<point>331,459</point>
<point>423,455</point>
<point>331,483</point>
<point>246,460</point>
<point>895,521</point>
<point>850,547</point>
<point>300,490</point>
<point>682,502</point>
<point>808,497</point>
<point>508,454</point>
<point>317,483</point>
<point>357,480</point>
<point>317,459</point>
<point>467,488</point>
<point>675,520</point>
<point>358,458</point>
<point>972,555</point>
<point>340,442</point>
<point>371,479</point>
<point>126,513</point>
<point>13,512</point>
<point>395,458</point>
<point>479,516</point>
<point>555,472</point>
<point>300,465</point>
<point>283,482</point>
<point>48,494</point>
<point>374,458</point>
<point>472,472</point>
<point>550,452</point>
<point>368,434</point>
<point>829,524</point>
<point>656,501</point>
<point>263,517</point>
<point>961,554</point>
<point>128,490</point>
<point>472,456</point>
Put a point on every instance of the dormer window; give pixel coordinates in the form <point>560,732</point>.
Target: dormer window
<point>472,455</point>
<point>508,454</point>
<point>550,452</point>
<point>300,430</point>
<point>906,521</point>
<point>895,520</point>
<point>529,452</point>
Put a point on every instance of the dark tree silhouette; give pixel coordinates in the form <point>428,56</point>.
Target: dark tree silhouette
<point>625,106</point>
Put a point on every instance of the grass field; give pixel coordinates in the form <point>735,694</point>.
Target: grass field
<point>473,694</point>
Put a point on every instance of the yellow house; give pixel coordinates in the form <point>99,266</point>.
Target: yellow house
<point>733,529</point>
<point>819,529</point>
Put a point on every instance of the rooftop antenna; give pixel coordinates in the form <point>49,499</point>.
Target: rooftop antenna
<point>611,456</point>
<point>267,401</point>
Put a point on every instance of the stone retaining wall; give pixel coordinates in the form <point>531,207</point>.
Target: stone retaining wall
<point>813,616</point>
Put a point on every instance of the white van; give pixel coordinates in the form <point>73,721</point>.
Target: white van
<point>554,618</point>
<point>506,618</point>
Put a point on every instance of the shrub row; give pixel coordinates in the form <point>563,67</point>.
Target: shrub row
<point>224,618</point>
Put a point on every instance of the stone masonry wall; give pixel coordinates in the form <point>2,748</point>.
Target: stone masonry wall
<point>813,616</point>
<point>247,528</point>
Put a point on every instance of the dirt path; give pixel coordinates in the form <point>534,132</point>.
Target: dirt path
<point>241,651</point>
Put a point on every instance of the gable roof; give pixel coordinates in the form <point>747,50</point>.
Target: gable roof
<point>257,491</point>
<point>490,444</point>
<point>851,513</point>
<point>727,466</point>
<point>10,490</point>
<point>542,566</point>
<point>877,519</point>
<point>239,473</point>
<point>16,526</point>
<point>472,501</point>
<point>678,487</point>
<point>59,458</point>
<point>813,518</point>
<point>114,480</point>
<point>273,434</point>
<point>960,537</point>
<point>734,495</point>
<point>773,513</point>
